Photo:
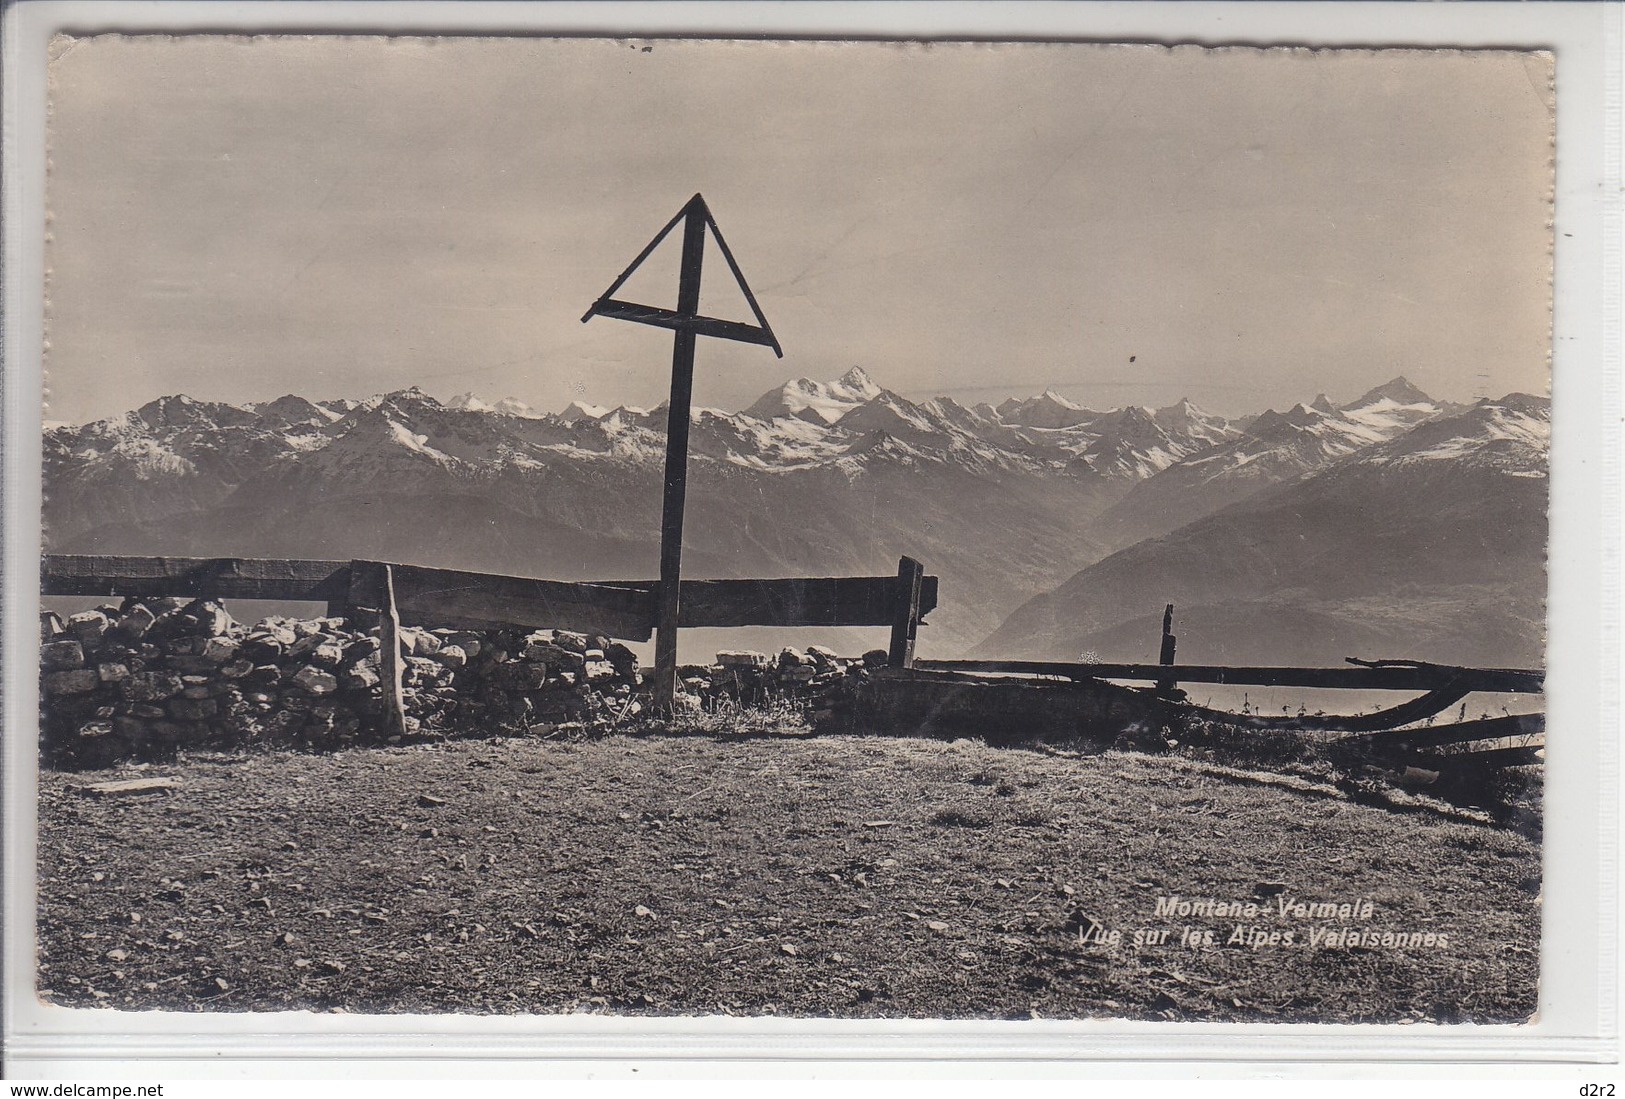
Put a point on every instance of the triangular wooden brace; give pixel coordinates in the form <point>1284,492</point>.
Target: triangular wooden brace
<point>608,305</point>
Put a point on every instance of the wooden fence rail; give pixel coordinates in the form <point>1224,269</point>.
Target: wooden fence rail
<point>1511,727</point>
<point>449,597</point>
<point>1385,677</point>
<point>213,577</point>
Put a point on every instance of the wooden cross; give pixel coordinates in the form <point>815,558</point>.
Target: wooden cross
<point>687,323</point>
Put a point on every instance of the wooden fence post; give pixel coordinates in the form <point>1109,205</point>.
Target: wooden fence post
<point>373,583</point>
<point>907,621</point>
<point>1166,685</point>
<point>392,669</point>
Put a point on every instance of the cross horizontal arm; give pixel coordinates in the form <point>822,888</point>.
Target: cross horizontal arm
<point>666,318</point>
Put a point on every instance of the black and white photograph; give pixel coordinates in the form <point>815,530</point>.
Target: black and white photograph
<point>658,527</point>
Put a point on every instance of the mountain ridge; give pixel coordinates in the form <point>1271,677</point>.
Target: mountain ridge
<point>840,479</point>
<point>1431,545</point>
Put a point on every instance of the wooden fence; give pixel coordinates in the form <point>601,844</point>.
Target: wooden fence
<point>403,594</point>
<point>1381,732</point>
<point>415,595</point>
<point>1398,675</point>
<point>449,597</point>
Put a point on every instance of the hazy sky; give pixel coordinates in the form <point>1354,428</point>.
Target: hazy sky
<point>237,219</point>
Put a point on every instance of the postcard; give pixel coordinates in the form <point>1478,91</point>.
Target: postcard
<point>835,529</point>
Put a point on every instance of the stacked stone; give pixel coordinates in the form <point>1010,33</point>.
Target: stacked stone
<point>496,681</point>
<point>147,676</point>
<point>748,677</point>
<point>142,678</point>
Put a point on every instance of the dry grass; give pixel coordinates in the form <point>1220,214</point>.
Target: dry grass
<point>725,717</point>
<point>734,871</point>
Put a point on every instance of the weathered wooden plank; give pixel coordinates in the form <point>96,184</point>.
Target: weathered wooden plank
<point>679,321</point>
<point>793,601</point>
<point>130,786</point>
<point>444,597</point>
<point>450,597</point>
<point>1420,708</point>
<point>928,596</point>
<point>1462,732</point>
<point>799,601</point>
<point>1424,677</point>
<point>434,596</point>
<point>668,596</point>
<point>367,588</point>
<point>214,577</point>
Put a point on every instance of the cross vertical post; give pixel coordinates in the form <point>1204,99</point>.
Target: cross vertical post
<point>687,323</point>
<point>669,598</point>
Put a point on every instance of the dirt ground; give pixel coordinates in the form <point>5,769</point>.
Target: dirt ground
<point>834,876</point>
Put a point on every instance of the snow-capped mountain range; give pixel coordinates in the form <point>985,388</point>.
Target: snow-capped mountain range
<point>1270,448</point>
<point>813,478</point>
<point>1430,545</point>
<point>847,423</point>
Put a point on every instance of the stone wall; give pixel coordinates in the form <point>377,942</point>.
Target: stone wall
<point>145,677</point>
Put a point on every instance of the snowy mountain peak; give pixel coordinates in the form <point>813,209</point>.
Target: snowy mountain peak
<point>817,402</point>
<point>858,383</point>
<point>292,410</point>
<point>1322,403</point>
<point>1049,410</point>
<point>1185,418</point>
<point>1540,407</point>
<point>1299,418</point>
<point>1266,422</point>
<point>1511,435</point>
<point>510,406</point>
<point>507,406</point>
<point>181,410</point>
<point>1132,424</point>
<point>411,396</point>
<point>580,410</point>
<point>1398,390</point>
